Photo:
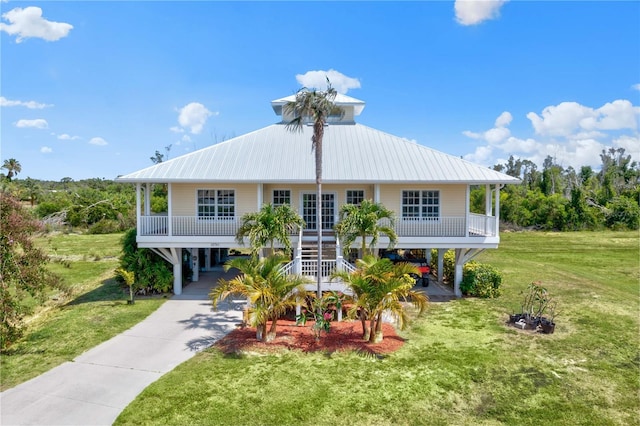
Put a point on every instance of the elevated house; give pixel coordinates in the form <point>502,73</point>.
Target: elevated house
<point>210,189</point>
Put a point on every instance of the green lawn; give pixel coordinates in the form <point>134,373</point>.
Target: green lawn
<point>460,364</point>
<point>95,311</point>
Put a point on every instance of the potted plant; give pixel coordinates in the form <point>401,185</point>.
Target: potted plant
<point>548,325</point>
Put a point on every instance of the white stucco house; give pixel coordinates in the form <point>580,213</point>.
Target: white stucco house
<point>210,189</point>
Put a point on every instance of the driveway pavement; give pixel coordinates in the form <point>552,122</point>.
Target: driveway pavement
<point>96,386</point>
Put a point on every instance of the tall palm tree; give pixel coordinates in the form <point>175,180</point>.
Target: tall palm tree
<point>269,291</point>
<point>13,167</point>
<point>379,285</point>
<point>268,225</point>
<point>364,221</point>
<point>315,106</point>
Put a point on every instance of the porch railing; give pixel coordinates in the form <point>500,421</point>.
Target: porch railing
<point>448,226</point>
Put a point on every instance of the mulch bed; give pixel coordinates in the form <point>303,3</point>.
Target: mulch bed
<point>343,336</point>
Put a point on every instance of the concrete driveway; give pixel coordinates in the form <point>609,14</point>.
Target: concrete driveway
<point>96,386</point>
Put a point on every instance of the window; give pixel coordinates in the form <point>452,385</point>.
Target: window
<point>281,196</point>
<point>355,196</point>
<point>420,204</point>
<point>216,203</point>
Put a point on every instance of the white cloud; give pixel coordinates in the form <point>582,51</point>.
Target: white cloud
<point>566,118</point>
<point>46,150</point>
<point>194,116</point>
<point>67,137</point>
<point>28,22</point>
<point>176,129</point>
<point>497,134</point>
<point>573,134</point>
<point>473,12</point>
<point>29,104</point>
<point>38,123</point>
<point>636,86</point>
<point>98,141</point>
<point>318,80</point>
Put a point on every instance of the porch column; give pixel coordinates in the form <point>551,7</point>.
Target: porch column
<point>195,262</point>
<point>169,211</point>
<point>138,211</point>
<point>147,199</point>
<point>260,196</point>
<point>177,278</point>
<point>441,264</point>
<point>376,193</point>
<point>467,211</point>
<point>497,210</point>
<point>487,200</point>
<point>457,276</point>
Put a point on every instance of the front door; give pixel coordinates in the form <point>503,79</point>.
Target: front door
<point>309,211</point>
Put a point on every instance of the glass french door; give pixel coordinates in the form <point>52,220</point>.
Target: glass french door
<point>309,211</point>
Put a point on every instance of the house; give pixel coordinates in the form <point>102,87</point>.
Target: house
<point>210,189</point>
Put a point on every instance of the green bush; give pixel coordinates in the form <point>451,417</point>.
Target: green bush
<point>104,226</point>
<point>153,274</point>
<point>481,280</point>
<point>448,265</point>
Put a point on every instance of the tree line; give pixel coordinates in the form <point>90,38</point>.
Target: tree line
<point>566,199</point>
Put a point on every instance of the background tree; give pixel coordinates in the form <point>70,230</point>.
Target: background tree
<point>364,221</point>
<point>23,272</point>
<point>13,168</point>
<point>316,107</point>
<point>268,225</point>
<point>268,290</point>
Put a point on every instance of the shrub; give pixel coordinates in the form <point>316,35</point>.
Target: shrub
<point>448,265</point>
<point>481,280</point>
<point>104,226</point>
<point>153,274</point>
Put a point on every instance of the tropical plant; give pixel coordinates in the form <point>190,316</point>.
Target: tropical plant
<point>322,311</point>
<point>381,286</point>
<point>315,106</point>
<point>364,220</point>
<point>13,168</point>
<point>23,273</point>
<point>152,273</point>
<point>481,280</point>
<point>268,289</point>
<point>268,225</point>
<point>129,279</point>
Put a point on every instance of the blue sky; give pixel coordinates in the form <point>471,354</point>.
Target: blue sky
<point>93,89</point>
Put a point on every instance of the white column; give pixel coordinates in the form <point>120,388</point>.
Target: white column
<point>487,200</point>
<point>376,193</point>
<point>138,208</point>
<point>260,196</point>
<point>467,210</point>
<point>497,210</point>
<point>195,263</point>
<point>177,278</point>
<point>169,211</point>
<point>441,264</point>
<point>147,199</point>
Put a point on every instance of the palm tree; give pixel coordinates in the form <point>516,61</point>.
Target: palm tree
<point>268,225</point>
<point>33,190</point>
<point>269,291</point>
<point>379,285</point>
<point>315,106</point>
<point>362,221</point>
<point>13,167</point>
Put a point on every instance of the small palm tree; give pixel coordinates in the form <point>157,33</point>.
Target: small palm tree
<point>315,106</point>
<point>268,225</point>
<point>379,285</point>
<point>13,168</point>
<point>270,292</point>
<point>364,221</point>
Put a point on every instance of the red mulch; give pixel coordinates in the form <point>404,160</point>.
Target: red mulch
<point>343,336</point>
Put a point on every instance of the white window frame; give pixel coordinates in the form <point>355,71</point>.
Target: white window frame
<point>216,205</point>
<point>421,205</point>
<point>273,196</point>
<point>346,196</point>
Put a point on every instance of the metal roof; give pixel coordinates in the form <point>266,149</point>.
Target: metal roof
<point>352,153</point>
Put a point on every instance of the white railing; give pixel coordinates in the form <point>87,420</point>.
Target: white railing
<point>310,266</point>
<point>153,225</point>
<point>482,225</point>
<point>449,226</point>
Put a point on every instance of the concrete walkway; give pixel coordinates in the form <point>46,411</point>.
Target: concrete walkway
<point>96,386</point>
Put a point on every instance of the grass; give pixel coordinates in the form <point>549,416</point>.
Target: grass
<point>66,327</point>
<point>460,364</point>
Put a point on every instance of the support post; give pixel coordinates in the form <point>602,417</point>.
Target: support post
<point>441,264</point>
<point>457,276</point>
<point>195,264</point>
<point>138,209</point>
<point>169,211</point>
